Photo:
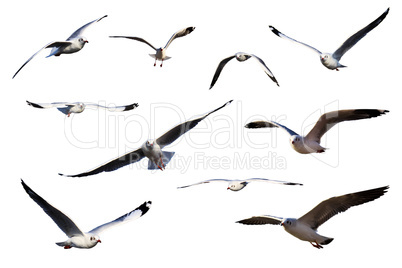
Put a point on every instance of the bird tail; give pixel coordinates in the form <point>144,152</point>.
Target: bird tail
<point>326,241</point>
<point>64,110</point>
<point>61,244</point>
<point>166,156</point>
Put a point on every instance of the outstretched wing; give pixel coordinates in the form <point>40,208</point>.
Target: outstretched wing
<point>351,41</point>
<point>133,215</point>
<point>181,33</point>
<point>219,70</point>
<point>259,220</point>
<point>270,124</point>
<point>81,30</point>
<point>265,68</point>
<point>50,105</point>
<point>273,181</point>
<point>135,38</point>
<point>64,222</point>
<point>181,129</point>
<point>330,207</point>
<point>328,120</point>
<point>113,108</point>
<point>202,182</point>
<point>114,164</point>
<point>51,44</point>
<point>281,35</point>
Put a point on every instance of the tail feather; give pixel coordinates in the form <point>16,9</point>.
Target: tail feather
<point>166,156</point>
<point>326,241</point>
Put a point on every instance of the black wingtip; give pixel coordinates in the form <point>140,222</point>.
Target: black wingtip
<point>131,107</point>
<point>145,207</point>
<point>34,104</point>
<point>274,30</point>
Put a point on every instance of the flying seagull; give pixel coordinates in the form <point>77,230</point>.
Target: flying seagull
<point>152,149</point>
<point>160,52</point>
<point>311,142</point>
<point>73,44</point>
<point>77,238</point>
<point>240,56</point>
<point>68,108</point>
<point>305,227</point>
<point>237,185</point>
<point>331,60</point>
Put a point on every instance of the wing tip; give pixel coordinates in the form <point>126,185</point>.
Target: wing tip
<point>274,30</point>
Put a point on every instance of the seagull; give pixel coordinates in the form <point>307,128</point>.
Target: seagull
<point>68,108</point>
<point>311,142</point>
<point>331,60</point>
<point>152,149</point>
<point>241,56</point>
<point>77,238</point>
<point>161,52</point>
<point>237,185</point>
<point>73,44</point>
<point>305,227</point>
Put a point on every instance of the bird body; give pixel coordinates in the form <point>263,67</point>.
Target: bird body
<point>73,44</point>
<point>331,60</point>
<point>311,142</point>
<point>305,227</point>
<point>77,238</point>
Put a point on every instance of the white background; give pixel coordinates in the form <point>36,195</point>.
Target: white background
<point>195,227</point>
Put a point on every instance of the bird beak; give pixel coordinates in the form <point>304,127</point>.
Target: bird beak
<point>99,241</point>
<point>86,41</point>
<point>293,142</point>
<point>228,188</point>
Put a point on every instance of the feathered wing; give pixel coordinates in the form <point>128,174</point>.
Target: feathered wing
<point>281,35</point>
<point>332,206</point>
<point>328,120</point>
<point>64,222</point>
<point>51,44</point>
<point>202,182</point>
<point>351,41</point>
<point>265,68</point>
<point>114,164</point>
<point>273,181</point>
<point>181,129</point>
<point>50,105</point>
<point>135,38</point>
<point>79,32</point>
<point>219,70</point>
<point>181,33</point>
<point>270,124</point>
<point>113,108</point>
<point>259,220</point>
<point>133,215</point>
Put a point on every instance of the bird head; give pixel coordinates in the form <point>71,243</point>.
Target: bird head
<point>83,40</point>
<point>94,239</point>
<point>295,139</point>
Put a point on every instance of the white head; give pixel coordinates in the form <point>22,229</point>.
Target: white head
<point>82,40</point>
<point>240,56</point>
<point>289,223</point>
<point>94,239</point>
<point>236,185</point>
<point>295,140</point>
<point>149,144</point>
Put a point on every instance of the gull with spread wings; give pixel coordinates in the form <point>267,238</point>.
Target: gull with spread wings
<point>68,108</point>
<point>241,56</point>
<point>152,149</point>
<point>237,185</point>
<point>73,44</point>
<point>160,52</point>
<point>77,238</point>
<point>331,60</point>
<point>305,227</point>
<point>311,142</point>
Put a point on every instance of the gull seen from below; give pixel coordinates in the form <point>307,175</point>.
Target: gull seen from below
<point>77,238</point>
<point>68,108</point>
<point>237,185</point>
<point>331,60</point>
<point>311,142</point>
<point>73,44</point>
<point>152,149</point>
<point>160,52</point>
<point>241,56</point>
<point>305,227</point>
